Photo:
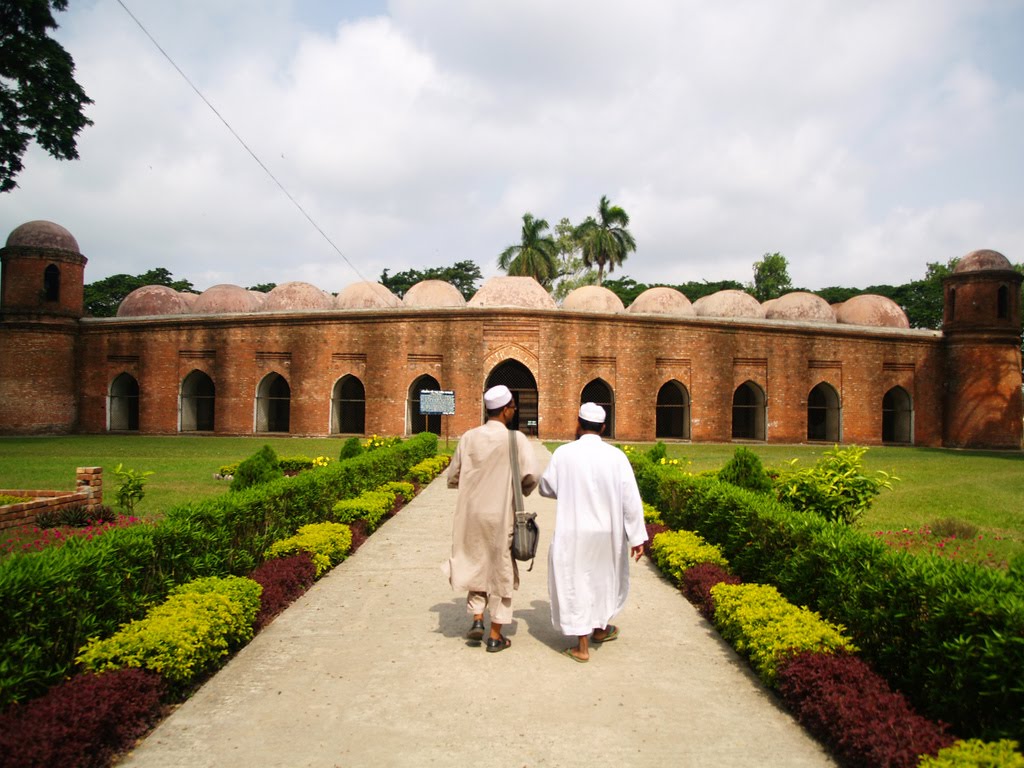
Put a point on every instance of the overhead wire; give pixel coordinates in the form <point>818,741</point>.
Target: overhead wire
<point>241,141</point>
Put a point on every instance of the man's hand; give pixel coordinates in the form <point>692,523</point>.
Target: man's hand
<point>637,552</point>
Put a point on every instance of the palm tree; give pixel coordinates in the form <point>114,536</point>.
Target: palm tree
<point>605,241</point>
<point>536,256</point>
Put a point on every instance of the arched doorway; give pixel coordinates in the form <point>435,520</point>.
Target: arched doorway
<point>598,392</point>
<point>518,378</point>
<point>419,422</point>
<point>897,416</point>
<point>823,419</point>
<point>123,404</point>
<point>748,412</point>
<point>197,403</point>
<point>672,412</point>
<point>348,406</point>
<point>273,404</point>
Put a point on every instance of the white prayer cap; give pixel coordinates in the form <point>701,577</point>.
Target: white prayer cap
<point>496,397</point>
<point>592,412</point>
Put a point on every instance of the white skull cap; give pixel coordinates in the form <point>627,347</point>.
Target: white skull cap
<point>592,412</point>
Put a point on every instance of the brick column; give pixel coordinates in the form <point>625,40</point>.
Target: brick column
<point>89,480</point>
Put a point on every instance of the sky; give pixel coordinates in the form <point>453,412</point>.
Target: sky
<point>332,140</point>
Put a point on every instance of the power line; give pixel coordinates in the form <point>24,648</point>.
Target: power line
<point>241,141</point>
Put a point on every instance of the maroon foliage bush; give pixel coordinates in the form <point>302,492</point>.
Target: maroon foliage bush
<point>283,580</point>
<point>846,705</point>
<point>82,723</point>
<point>359,534</point>
<point>653,529</point>
<point>698,581</point>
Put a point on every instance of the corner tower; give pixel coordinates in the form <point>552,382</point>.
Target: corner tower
<point>982,328</point>
<point>42,286</point>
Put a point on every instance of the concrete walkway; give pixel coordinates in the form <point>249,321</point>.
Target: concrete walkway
<point>370,668</point>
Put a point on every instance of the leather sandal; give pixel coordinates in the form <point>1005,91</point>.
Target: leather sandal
<point>476,632</point>
<point>499,644</point>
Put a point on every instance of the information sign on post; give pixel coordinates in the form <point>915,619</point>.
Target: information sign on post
<point>441,401</point>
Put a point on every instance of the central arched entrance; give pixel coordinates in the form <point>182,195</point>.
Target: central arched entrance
<point>517,377</point>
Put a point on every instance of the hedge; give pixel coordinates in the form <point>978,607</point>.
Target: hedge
<point>52,601</point>
<point>950,635</point>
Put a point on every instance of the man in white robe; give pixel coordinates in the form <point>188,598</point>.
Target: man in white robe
<point>481,563</point>
<point>599,523</point>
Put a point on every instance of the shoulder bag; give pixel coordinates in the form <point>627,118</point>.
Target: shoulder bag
<point>525,533</point>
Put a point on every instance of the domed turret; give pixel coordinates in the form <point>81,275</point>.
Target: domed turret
<point>366,295</point>
<point>592,298</point>
<point>662,300</point>
<point>521,292</point>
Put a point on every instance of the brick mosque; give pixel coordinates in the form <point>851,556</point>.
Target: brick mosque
<point>300,361</point>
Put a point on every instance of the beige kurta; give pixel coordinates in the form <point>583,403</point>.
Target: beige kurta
<point>481,558</point>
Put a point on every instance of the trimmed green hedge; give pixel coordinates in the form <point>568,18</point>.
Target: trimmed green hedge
<point>54,600</point>
<point>949,634</point>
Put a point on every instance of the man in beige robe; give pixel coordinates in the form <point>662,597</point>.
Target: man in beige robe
<point>481,561</point>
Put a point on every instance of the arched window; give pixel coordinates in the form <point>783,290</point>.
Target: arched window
<point>672,414</point>
<point>51,283</point>
<point>518,378</point>
<point>422,422</point>
<point>123,404</point>
<point>748,412</point>
<point>823,420</point>
<point>1003,303</point>
<point>273,404</point>
<point>598,392</point>
<point>348,407</point>
<point>197,403</point>
<point>897,416</point>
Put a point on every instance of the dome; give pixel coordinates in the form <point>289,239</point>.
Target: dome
<point>803,306</point>
<point>259,297</point>
<point>978,261</point>
<point>189,299</point>
<point>153,300</point>
<point>42,234</point>
<point>662,300</point>
<point>592,298</point>
<point>433,293</point>
<point>521,292</point>
<point>768,304</point>
<point>297,296</point>
<point>224,298</point>
<point>870,309</point>
<point>366,295</point>
<point>728,303</point>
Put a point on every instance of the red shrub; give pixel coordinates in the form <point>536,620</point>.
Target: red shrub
<point>81,723</point>
<point>359,534</point>
<point>283,580</point>
<point>653,529</point>
<point>698,581</point>
<point>849,707</point>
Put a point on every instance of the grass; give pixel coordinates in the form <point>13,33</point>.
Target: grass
<point>980,488</point>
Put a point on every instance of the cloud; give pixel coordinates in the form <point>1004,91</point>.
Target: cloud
<point>862,140</point>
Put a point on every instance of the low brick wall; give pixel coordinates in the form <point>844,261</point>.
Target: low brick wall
<point>88,491</point>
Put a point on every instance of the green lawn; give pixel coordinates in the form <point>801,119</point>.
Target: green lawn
<point>983,488</point>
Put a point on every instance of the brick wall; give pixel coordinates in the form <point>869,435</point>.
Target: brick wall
<point>88,491</point>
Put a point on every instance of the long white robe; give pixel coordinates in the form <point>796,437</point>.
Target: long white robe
<point>599,516</point>
<point>481,559</point>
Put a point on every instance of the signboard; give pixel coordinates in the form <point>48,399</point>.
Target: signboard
<point>437,401</point>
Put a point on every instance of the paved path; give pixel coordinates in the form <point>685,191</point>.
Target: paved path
<point>370,668</point>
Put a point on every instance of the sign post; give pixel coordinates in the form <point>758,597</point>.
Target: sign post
<point>440,401</point>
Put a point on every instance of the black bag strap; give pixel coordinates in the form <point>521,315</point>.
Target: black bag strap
<point>517,482</point>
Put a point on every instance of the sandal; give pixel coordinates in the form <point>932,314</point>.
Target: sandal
<point>568,652</point>
<point>610,633</point>
<point>499,644</point>
<point>476,632</point>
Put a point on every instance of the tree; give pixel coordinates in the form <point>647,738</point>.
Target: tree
<point>536,254</point>
<point>464,275</point>
<point>605,241</point>
<point>771,277</point>
<point>39,97</point>
<point>262,287</point>
<point>103,297</point>
<point>572,272</point>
